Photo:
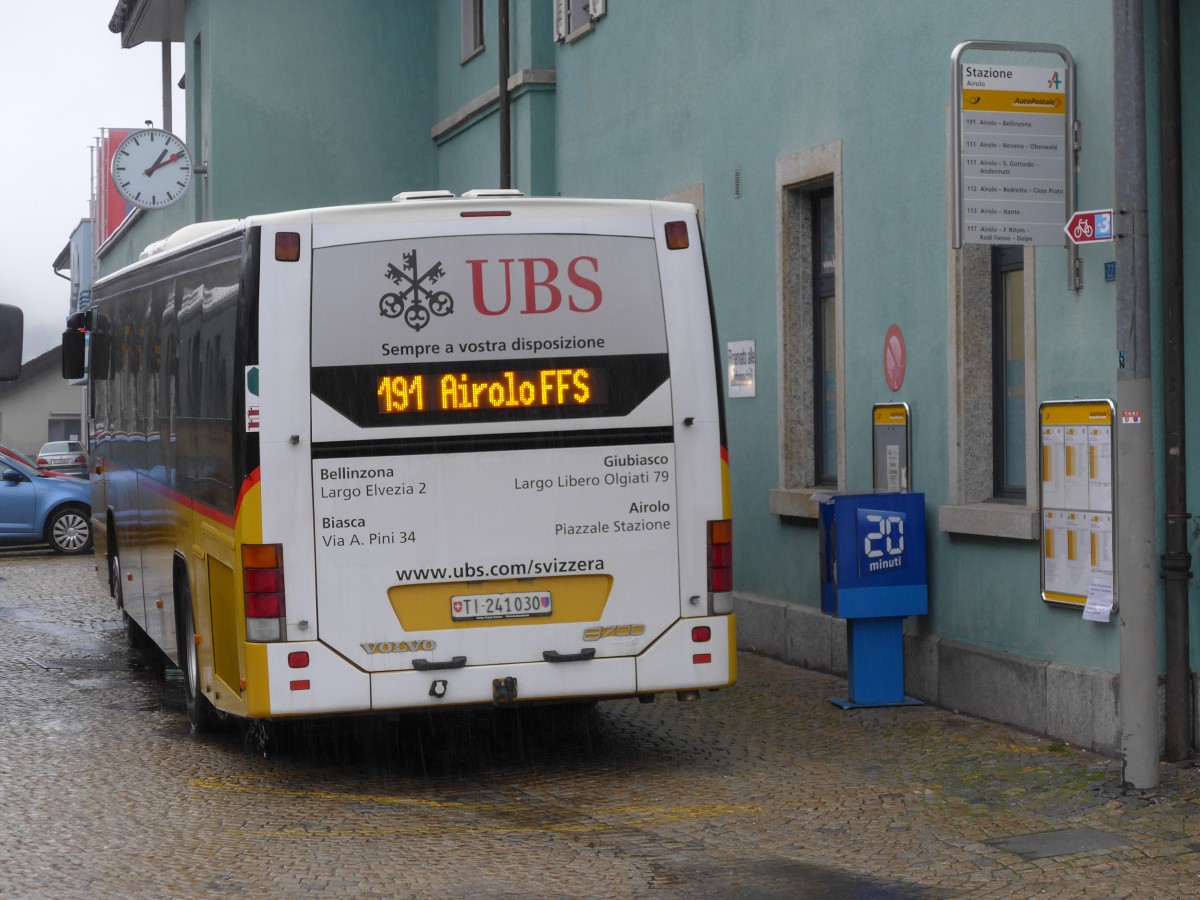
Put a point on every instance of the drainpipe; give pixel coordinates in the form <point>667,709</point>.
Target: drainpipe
<point>505,113</point>
<point>1176,561</point>
<point>166,85</point>
<point>1137,582</point>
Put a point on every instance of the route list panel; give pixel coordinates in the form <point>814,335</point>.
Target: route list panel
<point>1013,155</point>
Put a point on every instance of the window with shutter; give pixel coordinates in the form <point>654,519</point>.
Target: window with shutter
<point>572,17</point>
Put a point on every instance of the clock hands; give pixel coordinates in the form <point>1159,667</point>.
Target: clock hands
<point>157,163</point>
<point>160,162</point>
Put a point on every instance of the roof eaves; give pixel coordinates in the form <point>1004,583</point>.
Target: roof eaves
<point>117,23</point>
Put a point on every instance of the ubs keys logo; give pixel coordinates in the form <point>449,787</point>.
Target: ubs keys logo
<point>881,540</point>
<point>409,300</point>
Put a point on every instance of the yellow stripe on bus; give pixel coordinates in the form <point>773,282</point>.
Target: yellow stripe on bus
<point>574,598</point>
<point>258,682</point>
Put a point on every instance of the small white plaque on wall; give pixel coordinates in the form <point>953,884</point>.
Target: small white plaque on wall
<point>740,365</point>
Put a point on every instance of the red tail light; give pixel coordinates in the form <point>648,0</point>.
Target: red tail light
<point>677,236</point>
<point>287,246</point>
<point>262,585</point>
<point>720,566</point>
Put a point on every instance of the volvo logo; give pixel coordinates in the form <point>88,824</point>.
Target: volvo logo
<point>398,646</point>
<point>600,632</point>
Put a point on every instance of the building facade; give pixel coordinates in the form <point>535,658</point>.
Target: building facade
<point>817,140</point>
<point>40,406</point>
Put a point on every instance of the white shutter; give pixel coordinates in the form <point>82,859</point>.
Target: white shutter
<point>561,27</point>
<point>596,8</point>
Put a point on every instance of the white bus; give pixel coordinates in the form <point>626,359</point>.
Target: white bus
<point>432,452</point>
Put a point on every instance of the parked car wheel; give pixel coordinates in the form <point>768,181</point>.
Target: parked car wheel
<point>68,531</point>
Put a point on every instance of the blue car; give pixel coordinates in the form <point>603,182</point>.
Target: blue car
<point>35,507</point>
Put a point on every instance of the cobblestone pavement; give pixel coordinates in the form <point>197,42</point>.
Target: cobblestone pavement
<point>765,790</point>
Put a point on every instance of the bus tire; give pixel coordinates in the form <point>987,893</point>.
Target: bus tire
<point>199,710</point>
<point>114,573</point>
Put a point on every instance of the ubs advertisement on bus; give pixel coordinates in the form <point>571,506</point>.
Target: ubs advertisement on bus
<point>492,447</point>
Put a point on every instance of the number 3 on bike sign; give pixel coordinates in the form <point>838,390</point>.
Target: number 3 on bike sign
<point>1093,227</point>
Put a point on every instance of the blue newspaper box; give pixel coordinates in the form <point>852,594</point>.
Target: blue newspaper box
<point>873,574</point>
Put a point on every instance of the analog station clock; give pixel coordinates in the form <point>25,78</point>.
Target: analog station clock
<point>151,168</point>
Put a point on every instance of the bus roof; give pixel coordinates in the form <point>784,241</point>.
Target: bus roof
<point>415,205</point>
<point>430,205</point>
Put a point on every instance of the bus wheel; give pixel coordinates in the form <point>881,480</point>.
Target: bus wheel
<point>200,712</point>
<point>114,578</point>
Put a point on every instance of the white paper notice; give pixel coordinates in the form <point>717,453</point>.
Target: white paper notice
<point>1075,467</point>
<point>1099,597</point>
<point>1100,467</point>
<point>741,365</point>
<point>1054,489</point>
<point>1079,557</point>
<point>1102,541</point>
<point>893,468</point>
<point>1054,544</point>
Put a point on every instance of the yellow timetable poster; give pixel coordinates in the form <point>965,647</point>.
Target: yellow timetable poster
<point>1076,492</point>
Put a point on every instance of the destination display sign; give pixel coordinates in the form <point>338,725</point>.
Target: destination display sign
<point>1013,154</point>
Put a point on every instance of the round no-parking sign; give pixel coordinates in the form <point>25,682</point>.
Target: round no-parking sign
<point>893,358</point>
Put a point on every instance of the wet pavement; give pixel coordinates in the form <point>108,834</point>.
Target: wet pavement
<point>765,790</point>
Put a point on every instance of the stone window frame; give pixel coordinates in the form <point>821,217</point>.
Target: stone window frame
<point>796,177</point>
<point>972,507</point>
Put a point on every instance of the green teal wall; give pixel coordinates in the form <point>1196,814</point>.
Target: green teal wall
<point>739,88</point>
<point>319,103</point>
<point>469,155</point>
<point>308,103</point>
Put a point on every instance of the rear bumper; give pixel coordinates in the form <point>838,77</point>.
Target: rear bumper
<point>79,469</point>
<point>329,684</point>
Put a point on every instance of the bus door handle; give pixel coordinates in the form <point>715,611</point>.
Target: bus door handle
<point>582,656</point>
<point>424,665</point>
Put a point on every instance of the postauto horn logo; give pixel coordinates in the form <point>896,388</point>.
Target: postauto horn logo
<point>880,540</point>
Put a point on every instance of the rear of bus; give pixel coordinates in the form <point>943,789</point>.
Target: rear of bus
<point>508,481</point>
